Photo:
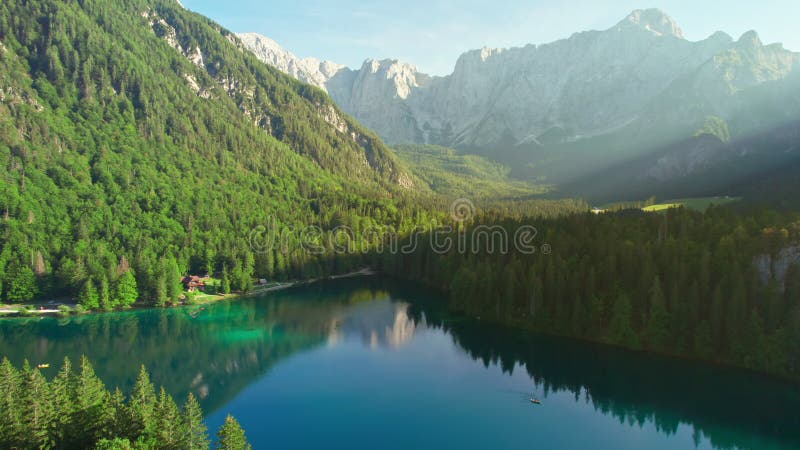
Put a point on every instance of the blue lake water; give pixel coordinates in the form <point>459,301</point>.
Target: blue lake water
<point>372,363</point>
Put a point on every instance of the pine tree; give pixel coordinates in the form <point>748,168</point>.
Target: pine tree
<point>161,293</point>
<point>680,315</point>
<point>506,302</point>
<point>194,432</point>
<point>104,295</point>
<point>91,400</point>
<point>88,297</point>
<point>225,283</point>
<point>461,288</point>
<point>125,292</point>
<point>64,402</point>
<point>231,436</point>
<point>280,265</point>
<point>753,349</point>
<point>598,314</point>
<point>622,332</point>
<point>141,405</point>
<point>717,318</point>
<point>36,409</point>
<point>246,275</point>
<point>10,407</point>
<point>209,261</point>
<point>703,341</point>
<point>268,264</point>
<point>174,286</point>
<point>20,284</point>
<point>117,417</point>
<point>736,314</point>
<point>236,277</point>
<point>658,320</point>
<point>168,420</point>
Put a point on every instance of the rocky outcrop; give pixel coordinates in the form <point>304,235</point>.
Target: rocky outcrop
<point>653,21</point>
<point>307,70</point>
<point>776,267</point>
<point>192,81</point>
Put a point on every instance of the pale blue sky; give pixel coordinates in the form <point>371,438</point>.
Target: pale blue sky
<point>433,33</point>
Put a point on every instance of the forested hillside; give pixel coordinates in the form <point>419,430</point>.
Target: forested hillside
<point>118,152</point>
<point>455,175</point>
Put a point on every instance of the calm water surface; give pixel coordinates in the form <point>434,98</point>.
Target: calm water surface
<point>372,363</point>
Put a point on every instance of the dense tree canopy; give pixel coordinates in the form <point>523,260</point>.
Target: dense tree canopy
<point>718,285</point>
<point>113,165</point>
<point>75,411</point>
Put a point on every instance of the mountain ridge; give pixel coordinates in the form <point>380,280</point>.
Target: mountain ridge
<point>620,93</point>
<point>437,110</point>
<point>140,136</point>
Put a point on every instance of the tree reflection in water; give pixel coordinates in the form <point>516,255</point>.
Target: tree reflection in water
<point>218,351</point>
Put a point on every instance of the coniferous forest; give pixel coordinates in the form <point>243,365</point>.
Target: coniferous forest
<point>111,164</point>
<point>139,143</point>
<point>74,410</point>
<point>719,286</point>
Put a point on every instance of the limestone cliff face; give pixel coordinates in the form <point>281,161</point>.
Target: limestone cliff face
<point>776,267</point>
<point>363,152</point>
<point>590,84</point>
<point>307,70</point>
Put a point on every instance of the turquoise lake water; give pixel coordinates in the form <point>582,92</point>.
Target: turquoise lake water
<point>372,363</point>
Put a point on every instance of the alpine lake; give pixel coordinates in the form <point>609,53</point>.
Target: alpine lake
<point>370,362</point>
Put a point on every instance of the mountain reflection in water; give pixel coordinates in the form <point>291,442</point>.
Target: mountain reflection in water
<point>231,345</point>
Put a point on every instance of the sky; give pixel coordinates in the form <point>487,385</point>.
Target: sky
<point>431,34</point>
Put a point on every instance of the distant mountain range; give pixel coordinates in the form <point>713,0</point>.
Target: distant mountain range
<point>564,110</point>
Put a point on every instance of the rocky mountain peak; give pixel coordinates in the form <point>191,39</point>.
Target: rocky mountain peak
<point>750,39</point>
<point>592,84</point>
<point>720,36</point>
<point>401,77</point>
<point>309,70</point>
<point>653,20</point>
<point>388,66</point>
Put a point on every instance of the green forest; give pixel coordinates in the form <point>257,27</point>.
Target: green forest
<point>717,286</point>
<point>450,173</point>
<point>111,164</point>
<point>74,410</point>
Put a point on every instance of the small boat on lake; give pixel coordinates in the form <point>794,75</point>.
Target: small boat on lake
<point>43,366</point>
<point>536,401</point>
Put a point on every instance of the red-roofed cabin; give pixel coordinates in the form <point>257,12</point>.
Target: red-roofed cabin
<point>193,283</point>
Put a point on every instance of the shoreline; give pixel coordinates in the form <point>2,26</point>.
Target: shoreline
<point>13,311</point>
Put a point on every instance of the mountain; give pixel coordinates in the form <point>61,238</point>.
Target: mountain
<point>138,135</point>
<point>375,94</point>
<point>566,109</point>
<point>307,70</point>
